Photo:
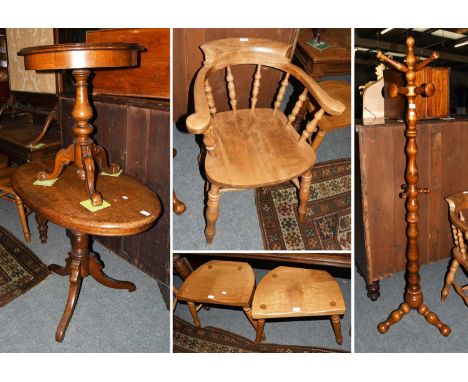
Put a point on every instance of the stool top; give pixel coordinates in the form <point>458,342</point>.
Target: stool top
<point>296,292</point>
<point>60,203</point>
<point>220,282</point>
<point>80,56</point>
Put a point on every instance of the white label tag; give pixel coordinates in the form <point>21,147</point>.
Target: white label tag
<point>146,213</point>
<point>244,39</point>
<point>125,197</point>
<point>210,296</point>
<point>223,292</point>
<point>412,106</point>
<point>296,309</point>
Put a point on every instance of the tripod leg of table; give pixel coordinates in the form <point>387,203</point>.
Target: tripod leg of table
<point>100,154</point>
<point>95,269</point>
<point>63,157</point>
<point>432,318</point>
<point>89,168</point>
<point>394,317</point>
<point>73,293</point>
<point>62,271</point>
<point>335,320</point>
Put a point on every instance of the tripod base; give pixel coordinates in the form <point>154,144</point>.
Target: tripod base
<point>86,167</point>
<point>423,310</point>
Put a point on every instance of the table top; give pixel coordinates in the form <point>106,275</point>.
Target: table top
<point>81,56</point>
<point>297,292</point>
<point>134,207</point>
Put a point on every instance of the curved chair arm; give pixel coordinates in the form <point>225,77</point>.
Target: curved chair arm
<point>456,203</point>
<point>199,122</point>
<point>328,103</point>
<point>52,116</point>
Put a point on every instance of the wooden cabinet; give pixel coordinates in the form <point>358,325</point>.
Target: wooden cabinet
<point>151,78</point>
<point>380,213</point>
<point>333,61</point>
<point>135,132</point>
<point>188,58</point>
<point>436,106</point>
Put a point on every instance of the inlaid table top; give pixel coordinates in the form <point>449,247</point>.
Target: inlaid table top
<point>80,56</point>
<point>134,207</point>
<point>296,292</point>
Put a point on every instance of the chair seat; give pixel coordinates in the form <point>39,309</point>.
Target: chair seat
<point>256,148</point>
<point>220,282</point>
<point>295,292</point>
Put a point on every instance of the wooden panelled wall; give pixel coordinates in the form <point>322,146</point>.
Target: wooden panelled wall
<point>188,59</point>
<point>136,135</point>
<point>380,219</point>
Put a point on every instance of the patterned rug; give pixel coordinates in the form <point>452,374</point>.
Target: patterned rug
<point>188,339</point>
<point>328,220</point>
<point>20,269</point>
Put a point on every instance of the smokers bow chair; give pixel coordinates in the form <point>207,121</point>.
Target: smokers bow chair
<point>254,147</point>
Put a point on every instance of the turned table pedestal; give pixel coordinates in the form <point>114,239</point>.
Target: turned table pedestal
<point>133,209</point>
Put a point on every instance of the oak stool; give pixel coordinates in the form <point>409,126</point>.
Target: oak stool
<point>219,282</point>
<point>457,204</point>
<point>288,292</point>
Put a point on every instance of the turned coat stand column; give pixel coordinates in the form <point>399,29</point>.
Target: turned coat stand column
<point>413,294</point>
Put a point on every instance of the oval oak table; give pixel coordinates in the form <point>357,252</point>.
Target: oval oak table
<point>133,209</point>
<point>81,58</point>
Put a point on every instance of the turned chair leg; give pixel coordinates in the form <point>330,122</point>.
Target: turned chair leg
<point>22,216</point>
<point>449,279</point>
<point>259,331</point>
<point>335,320</point>
<point>304,194</point>
<point>248,313</point>
<point>194,313</point>
<point>212,213</point>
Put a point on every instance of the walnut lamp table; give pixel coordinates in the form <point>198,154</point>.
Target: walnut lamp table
<point>81,58</point>
<point>288,292</point>
<point>133,209</point>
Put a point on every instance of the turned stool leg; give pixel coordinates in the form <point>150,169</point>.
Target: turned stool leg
<point>259,331</point>
<point>212,213</point>
<point>449,279</point>
<point>248,313</point>
<point>22,216</point>
<point>304,194</point>
<point>335,320</point>
<point>193,312</point>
